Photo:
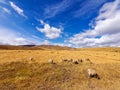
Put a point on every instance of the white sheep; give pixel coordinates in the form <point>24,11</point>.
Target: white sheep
<point>92,73</point>
<point>31,58</point>
<point>75,62</point>
<point>80,60</point>
<point>51,61</point>
<point>64,60</point>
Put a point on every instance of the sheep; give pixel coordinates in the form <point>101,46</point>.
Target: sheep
<point>75,62</point>
<point>31,58</point>
<point>80,60</point>
<point>92,73</point>
<point>71,60</point>
<point>51,61</point>
<point>64,60</point>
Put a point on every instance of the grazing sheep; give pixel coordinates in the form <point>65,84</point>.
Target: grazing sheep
<point>70,60</point>
<point>64,60</point>
<point>31,58</point>
<point>51,61</point>
<point>92,73</point>
<point>80,60</point>
<point>75,62</point>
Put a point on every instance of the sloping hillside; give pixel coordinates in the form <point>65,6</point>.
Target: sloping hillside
<point>59,76</point>
<point>110,49</point>
<point>54,47</point>
<point>33,47</point>
<point>11,47</point>
<point>19,72</point>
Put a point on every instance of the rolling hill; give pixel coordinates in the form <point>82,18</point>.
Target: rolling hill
<point>33,47</point>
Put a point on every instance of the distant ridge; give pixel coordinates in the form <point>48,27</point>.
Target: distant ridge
<point>28,45</point>
<point>56,47</point>
<point>21,47</point>
<point>34,47</point>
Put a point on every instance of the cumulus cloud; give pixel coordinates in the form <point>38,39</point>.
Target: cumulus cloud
<point>17,9</point>
<point>10,37</point>
<point>50,31</point>
<point>46,42</point>
<point>23,41</point>
<point>62,44</point>
<point>106,28</point>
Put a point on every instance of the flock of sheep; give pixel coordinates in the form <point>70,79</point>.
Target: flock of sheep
<point>71,60</point>
<point>91,72</point>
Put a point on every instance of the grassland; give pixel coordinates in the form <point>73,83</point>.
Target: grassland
<point>17,72</point>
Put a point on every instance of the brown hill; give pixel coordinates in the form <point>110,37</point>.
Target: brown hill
<point>54,47</point>
<point>110,49</point>
<point>11,47</point>
<point>33,47</point>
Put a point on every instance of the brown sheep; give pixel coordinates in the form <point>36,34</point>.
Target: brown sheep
<point>92,73</point>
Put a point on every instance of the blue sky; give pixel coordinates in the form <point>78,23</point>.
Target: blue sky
<point>75,23</point>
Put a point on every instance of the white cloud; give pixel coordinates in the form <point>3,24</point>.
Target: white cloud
<point>46,42</point>
<point>106,11</point>
<point>106,30</point>
<point>17,9</point>
<point>3,1</point>
<point>55,9</point>
<point>62,44</point>
<point>23,41</point>
<point>10,37</point>
<point>88,7</point>
<point>6,10</point>
<point>50,31</point>
<point>42,22</point>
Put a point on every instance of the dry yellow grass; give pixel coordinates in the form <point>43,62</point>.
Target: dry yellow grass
<point>99,56</point>
<point>18,72</point>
